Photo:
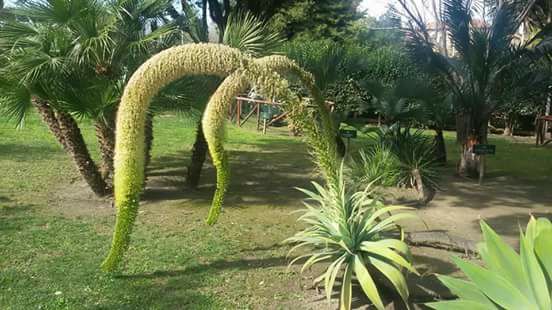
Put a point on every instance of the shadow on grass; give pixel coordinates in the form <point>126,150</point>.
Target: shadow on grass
<point>162,291</point>
<point>239,264</point>
<point>466,193</point>
<point>257,177</point>
<point>183,288</point>
<point>25,152</point>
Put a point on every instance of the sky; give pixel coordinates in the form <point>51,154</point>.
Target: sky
<point>374,7</point>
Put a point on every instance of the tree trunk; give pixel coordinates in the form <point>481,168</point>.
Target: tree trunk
<point>425,194</point>
<point>49,118</point>
<point>105,133</point>
<point>76,146</point>
<point>199,153</point>
<point>509,125</point>
<point>470,133</point>
<point>67,133</point>
<point>440,147</point>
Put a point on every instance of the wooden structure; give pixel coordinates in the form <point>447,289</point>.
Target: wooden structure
<point>255,107</point>
<point>543,123</point>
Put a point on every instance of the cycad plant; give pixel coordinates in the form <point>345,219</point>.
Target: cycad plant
<point>484,49</point>
<point>357,236</point>
<point>507,280</point>
<point>376,165</point>
<point>398,157</point>
<point>399,104</point>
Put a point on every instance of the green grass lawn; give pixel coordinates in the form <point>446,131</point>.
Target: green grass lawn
<point>51,247</point>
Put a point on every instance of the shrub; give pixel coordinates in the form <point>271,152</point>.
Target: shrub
<point>376,165</point>
<point>415,151</point>
<point>350,230</point>
<point>510,280</point>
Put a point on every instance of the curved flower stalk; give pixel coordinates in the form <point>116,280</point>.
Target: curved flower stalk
<point>213,129</point>
<point>154,74</point>
<point>264,73</point>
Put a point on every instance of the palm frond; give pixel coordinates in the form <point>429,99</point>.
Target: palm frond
<point>251,35</point>
<point>15,102</point>
<point>457,18</point>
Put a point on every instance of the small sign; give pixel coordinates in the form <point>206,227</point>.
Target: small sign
<point>346,133</point>
<point>484,149</point>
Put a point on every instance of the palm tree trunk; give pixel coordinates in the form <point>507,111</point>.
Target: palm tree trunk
<point>76,147</point>
<point>49,118</point>
<point>468,135</point>
<point>425,193</point>
<point>509,125</point>
<point>67,133</point>
<point>105,133</point>
<point>199,153</point>
<point>440,147</point>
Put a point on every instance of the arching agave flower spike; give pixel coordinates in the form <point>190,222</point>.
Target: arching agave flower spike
<point>154,74</point>
<point>265,75</point>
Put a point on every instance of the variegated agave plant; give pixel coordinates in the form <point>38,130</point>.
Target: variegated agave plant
<point>509,280</point>
<point>354,233</point>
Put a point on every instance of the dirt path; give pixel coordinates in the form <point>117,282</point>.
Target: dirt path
<point>505,204</point>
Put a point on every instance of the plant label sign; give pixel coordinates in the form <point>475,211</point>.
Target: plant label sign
<point>349,134</point>
<point>484,149</point>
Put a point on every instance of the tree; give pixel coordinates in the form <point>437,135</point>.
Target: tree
<point>484,53</point>
<point>318,19</point>
<point>70,60</point>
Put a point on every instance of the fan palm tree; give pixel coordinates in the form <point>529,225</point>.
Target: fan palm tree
<point>70,60</point>
<point>485,50</point>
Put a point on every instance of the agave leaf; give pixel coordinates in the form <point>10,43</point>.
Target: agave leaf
<point>298,258</point>
<point>346,289</point>
<point>543,248</point>
<point>366,282</point>
<point>393,274</point>
<point>315,259</point>
<point>383,211</point>
<point>536,227</point>
<point>395,244</point>
<point>328,285</point>
<point>496,287</point>
<point>502,259</point>
<point>392,220</point>
<point>466,291</point>
<point>532,269</point>
<point>458,305</point>
<point>388,254</point>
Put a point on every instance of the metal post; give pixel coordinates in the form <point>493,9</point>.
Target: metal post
<point>481,168</point>
<point>258,115</point>
<point>238,113</point>
<point>546,113</point>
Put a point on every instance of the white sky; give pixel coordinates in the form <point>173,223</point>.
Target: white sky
<point>374,7</point>
<point>377,7</point>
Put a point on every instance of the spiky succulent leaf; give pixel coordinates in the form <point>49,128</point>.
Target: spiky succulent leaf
<point>351,229</point>
<point>510,280</point>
